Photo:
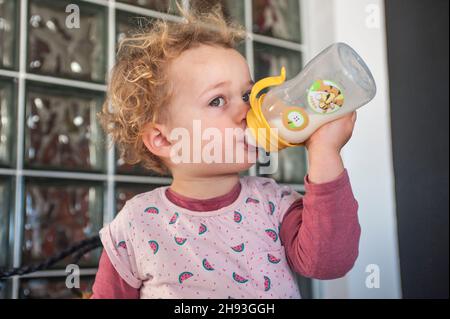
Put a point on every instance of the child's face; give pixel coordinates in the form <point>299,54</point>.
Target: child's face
<point>211,85</point>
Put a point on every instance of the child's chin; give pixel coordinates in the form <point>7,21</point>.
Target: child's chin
<point>243,167</point>
<point>233,168</point>
<point>250,153</point>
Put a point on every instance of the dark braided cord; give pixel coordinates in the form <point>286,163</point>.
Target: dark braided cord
<point>81,247</point>
<point>80,253</point>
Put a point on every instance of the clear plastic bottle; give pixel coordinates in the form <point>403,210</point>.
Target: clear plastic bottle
<point>333,84</point>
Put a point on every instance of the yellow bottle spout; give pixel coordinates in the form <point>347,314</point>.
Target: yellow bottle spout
<point>264,135</point>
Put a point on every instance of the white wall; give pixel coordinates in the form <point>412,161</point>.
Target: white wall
<point>368,156</point>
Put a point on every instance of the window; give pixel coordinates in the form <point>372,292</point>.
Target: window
<point>58,180</point>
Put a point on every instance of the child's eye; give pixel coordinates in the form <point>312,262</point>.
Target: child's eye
<point>246,97</point>
<point>217,102</point>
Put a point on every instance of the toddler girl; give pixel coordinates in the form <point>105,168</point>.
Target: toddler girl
<point>212,233</point>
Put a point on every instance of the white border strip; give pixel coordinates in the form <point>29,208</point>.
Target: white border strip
<point>277,42</point>
<point>368,155</point>
<point>65,82</point>
<point>53,80</point>
<point>151,180</point>
<point>109,203</point>
<point>19,191</point>
<point>58,273</point>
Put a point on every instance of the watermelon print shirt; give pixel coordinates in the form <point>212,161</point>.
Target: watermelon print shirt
<point>157,249</point>
<point>170,252</point>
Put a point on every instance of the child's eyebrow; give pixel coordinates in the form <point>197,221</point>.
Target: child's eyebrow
<point>215,86</point>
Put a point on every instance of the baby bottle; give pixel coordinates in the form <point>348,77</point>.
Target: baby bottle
<point>333,84</point>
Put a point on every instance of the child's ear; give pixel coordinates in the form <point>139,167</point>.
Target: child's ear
<point>154,138</point>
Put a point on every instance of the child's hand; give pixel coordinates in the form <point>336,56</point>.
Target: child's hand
<point>324,147</point>
<point>333,135</point>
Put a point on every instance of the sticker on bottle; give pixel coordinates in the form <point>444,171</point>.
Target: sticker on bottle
<point>325,97</point>
<point>295,118</point>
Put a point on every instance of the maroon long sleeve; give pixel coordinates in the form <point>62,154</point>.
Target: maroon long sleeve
<point>320,233</point>
<point>108,283</point>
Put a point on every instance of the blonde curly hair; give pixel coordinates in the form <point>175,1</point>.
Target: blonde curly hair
<point>139,90</point>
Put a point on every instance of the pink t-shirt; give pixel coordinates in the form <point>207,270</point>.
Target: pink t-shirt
<point>319,232</point>
<point>233,252</point>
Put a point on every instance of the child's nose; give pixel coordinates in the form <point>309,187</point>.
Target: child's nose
<point>243,109</point>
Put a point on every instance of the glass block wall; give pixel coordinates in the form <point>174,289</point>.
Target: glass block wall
<point>59,183</point>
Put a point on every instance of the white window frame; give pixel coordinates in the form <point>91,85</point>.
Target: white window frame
<point>368,156</point>
<point>109,178</point>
